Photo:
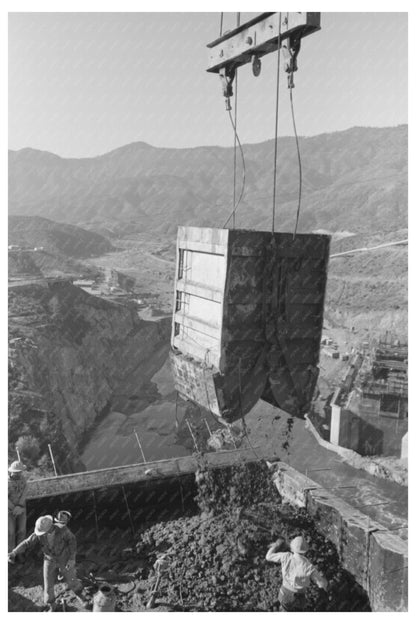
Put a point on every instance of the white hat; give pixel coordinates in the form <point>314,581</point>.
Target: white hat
<point>43,525</point>
<point>17,466</point>
<point>299,545</point>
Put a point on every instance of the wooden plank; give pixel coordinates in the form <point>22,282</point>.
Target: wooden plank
<point>134,473</point>
<point>259,37</point>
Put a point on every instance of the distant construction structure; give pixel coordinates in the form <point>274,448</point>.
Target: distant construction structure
<point>368,411</point>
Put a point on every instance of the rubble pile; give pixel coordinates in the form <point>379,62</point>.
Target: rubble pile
<point>213,560</point>
<point>216,560</point>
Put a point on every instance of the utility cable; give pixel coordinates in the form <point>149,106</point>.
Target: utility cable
<point>244,171</point>
<point>299,157</point>
<point>276,123</point>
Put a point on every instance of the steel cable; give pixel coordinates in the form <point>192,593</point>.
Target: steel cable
<point>232,214</point>
<point>276,125</point>
<point>299,158</point>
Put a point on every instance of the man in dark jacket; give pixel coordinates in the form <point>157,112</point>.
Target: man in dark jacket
<point>59,548</point>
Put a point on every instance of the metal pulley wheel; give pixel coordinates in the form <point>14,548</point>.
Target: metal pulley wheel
<point>256,65</point>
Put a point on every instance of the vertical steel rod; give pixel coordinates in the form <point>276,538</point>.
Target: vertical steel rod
<point>207,425</point>
<point>53,461</point>
<point>95,515</point>
<point>193,437</point>
<point>129,512</point>
<point>140,446</point>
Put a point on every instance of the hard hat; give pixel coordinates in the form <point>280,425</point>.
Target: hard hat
<point>63,517</point>
<point>17,466</point>
<point>43,525</point>
<point>299,545</point>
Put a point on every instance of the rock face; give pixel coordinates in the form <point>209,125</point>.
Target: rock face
<point>69,354</point>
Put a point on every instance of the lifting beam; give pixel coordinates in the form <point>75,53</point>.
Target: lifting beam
<point>260,36</point>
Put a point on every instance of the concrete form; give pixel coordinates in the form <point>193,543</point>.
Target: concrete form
<point>248,316</point>
<point>374,555</point>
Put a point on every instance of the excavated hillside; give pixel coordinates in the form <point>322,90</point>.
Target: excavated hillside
<point>70,353</point>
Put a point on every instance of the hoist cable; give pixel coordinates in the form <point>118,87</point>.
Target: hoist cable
<point>244,171</point>
<point>299,158</point>
<point>276,124</point>
<point>235,145</point>
<point>235,133</point>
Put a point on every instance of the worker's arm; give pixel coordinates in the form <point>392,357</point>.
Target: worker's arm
<point>27,543</point>
<point>319,579</point>
<point>273,556</point>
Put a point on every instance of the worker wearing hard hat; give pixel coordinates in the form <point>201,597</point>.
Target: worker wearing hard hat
<point>297,573</point>
<point>17,486</point>
<point>59,552</point>
<point>62,519</point>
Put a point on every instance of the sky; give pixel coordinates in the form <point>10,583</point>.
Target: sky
<point>82,84</point>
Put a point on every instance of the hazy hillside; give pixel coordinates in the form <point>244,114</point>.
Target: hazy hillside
<point>61,238</point>
<point>355,180</point>
<point>26,264</point>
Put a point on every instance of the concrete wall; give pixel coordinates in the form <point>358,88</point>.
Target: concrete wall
<point>367,434</point>
<point>335,426</point>
<point>404,449</point>
<point>375,556</point>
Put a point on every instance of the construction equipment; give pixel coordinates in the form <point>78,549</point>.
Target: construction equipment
<point>248,310</point>
<point>248,319</point>
<point>263,34</point>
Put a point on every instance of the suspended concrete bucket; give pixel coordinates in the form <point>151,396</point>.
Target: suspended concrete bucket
<point>248,317</point>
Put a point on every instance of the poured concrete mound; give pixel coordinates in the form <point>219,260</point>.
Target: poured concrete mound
<point>248,318</point>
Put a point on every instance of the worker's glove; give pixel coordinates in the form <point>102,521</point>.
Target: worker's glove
<point>11,557</point>
<point>70,564</point>
<point>18,510</point>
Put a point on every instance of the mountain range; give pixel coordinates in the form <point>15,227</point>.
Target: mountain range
<point>353,181</point>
